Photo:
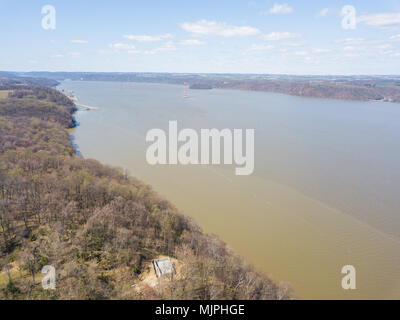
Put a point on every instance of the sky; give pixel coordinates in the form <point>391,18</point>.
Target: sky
<point>264,37</point>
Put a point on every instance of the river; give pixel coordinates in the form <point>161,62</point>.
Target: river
<point>324,192</point>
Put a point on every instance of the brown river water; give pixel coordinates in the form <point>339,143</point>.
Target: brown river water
<point>325,191</point>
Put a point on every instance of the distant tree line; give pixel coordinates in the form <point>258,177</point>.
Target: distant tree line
<point>12,79</point>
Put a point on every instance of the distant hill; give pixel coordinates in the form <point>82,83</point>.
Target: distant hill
<point>364,88</point>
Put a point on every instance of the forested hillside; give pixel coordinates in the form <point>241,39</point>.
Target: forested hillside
<point>95,224</point>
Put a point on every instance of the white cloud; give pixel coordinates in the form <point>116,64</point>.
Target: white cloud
<point>273,36</point>
<point>262,47</point>
<point>396,37</point>
<point>74,54</point>
<point>57,56</point>
<point>385,46</point>
<point>79,41</point>
<point>321,50</point>
<point>192,42</point>
<point>121,46</point>
<point>350,48</point>
<point>300,53</point>
<point>352,55</point>
<point>387,52</point>
<point>212,28</point>
<point>168,46</point>
<point>146,38</point>
<point>102,51</point>
<point>324,12</point>
<point>380,19</point>
<point>283,8</point>
<point>294,44</point>
<point>352,40</point>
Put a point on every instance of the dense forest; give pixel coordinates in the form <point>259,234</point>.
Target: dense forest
<point>12,79</point>
<point>98,226</point>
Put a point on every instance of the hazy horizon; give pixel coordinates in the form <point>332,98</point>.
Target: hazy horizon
<point>211,73</point>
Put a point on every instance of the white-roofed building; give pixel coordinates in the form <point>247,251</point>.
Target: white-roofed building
<point>164,267</point>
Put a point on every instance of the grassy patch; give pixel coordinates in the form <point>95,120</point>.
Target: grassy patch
<point>4,94</point>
